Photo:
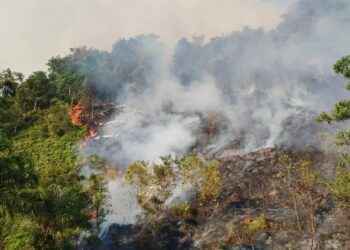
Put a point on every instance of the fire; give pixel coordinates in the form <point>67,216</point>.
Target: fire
<point>92,132</point>
<point>91,116</point>
<point>75,113</point>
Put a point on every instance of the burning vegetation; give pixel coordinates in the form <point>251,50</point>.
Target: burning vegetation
<point>97,114</point>
<point>218,151</point>
<point>92,117</point>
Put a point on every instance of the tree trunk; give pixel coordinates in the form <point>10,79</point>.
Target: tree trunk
<point>15,131</point>
<point>35,103</point>
<point>72,98</point>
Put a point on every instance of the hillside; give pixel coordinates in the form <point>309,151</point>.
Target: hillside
<point>228,142</point>
<point>254,211</point>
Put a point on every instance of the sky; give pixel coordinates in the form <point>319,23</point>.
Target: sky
<point>32,31</point>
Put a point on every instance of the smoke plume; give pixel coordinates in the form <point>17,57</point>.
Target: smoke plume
<point>255,81</point>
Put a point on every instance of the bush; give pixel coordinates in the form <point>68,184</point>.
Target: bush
<point>192,169</point>
<point>162,171</point>
<point>94,241</point>
<point>245,233</point>
<point>340,186</point>
<point>137,173</point>
<point>302,185</point>
<point>212,184</point>
<point>182,209</point>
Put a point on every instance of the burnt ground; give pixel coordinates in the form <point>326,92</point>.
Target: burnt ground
<point>308,219</point>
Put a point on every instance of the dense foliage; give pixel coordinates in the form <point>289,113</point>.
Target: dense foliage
<point>44,202</point>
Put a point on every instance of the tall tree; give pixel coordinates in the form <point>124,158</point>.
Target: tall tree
<point>63,76</point>
<point>34,92</point>
<point>8,83</point>
<point>9,111</point>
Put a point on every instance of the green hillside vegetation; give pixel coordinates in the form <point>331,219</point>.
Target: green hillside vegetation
<point>46,204</point>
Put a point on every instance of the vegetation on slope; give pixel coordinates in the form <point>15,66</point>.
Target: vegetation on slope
<point>340,186</point>
<point>264,202</point>
<point>46,204</point>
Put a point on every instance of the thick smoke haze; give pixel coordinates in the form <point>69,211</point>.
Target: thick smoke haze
<point>253,79</point>
<point>263,86</point>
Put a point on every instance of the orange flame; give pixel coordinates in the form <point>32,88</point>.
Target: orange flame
<point>75,113</point>
<point>90,133</point>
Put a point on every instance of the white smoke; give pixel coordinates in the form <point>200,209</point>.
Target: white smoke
<point>124,206</point>
<point>253,79</point>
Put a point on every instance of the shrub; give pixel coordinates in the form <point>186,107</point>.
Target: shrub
<point>340,186</point>
<point>162,171</point>
<point>96,161</point>
<point>182,209</point>
<point>137,173</point>
<point>94,241</point>
<point>246,231</point>
<point>303,187</point>
<point>192,168</point>
<point>212,184</point>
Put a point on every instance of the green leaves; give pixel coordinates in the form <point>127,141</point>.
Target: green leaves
<point>137,173</point>
<point>182,209</point>
<point>16,176</point>
<point>17,233</point>
<point>98,194</point>
<point>348,86</point>
<point>44,188</point>
<point>8,83</point>
<point>342,66</point>
<point>340,186</point>
<point>343,138</point>
<point>156,181</point>
<point>34,92</point>
<point>5,140</point>
<point>324,117</point>
<point>341,111</point>
<point>212,184</point>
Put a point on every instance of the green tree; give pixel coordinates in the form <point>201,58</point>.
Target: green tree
<point>67,81</point>
<point>8,83</point>
<point>34,92</point>
<point>9,111</point>
<point>341,111</point>
<point>60,214</point>
<point>340,186</point>
<point>99,197</point>
<point>17,177</point>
